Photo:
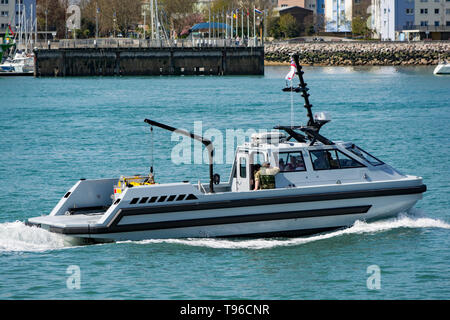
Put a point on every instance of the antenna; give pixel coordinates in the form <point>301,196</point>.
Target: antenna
<point>151,137</point>
<point>311,130</point>
<point>304,90</point>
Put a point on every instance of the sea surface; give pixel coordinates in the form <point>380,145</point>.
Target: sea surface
<point>56,131</point>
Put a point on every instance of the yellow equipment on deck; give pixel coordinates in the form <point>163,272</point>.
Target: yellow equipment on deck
<point>133,181</point>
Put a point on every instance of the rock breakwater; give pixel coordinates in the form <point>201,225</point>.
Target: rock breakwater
<point>359,53</point>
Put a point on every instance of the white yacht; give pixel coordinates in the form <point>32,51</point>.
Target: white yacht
<point>322,185</point>
<point>21,63</point>
<point>442,68</point>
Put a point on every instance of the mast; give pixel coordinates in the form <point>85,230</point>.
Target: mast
<point>207,143</point>
<point>304,90</point>
<point>313,126</point>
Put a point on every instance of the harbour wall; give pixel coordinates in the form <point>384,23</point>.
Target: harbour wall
<point>149,61</point>
<point>359,53</point>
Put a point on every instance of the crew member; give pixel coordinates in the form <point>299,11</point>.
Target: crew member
<point>265,177</point>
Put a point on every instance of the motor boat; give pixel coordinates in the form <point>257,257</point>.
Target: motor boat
<point>321,185</point>
<point>442,68</point>
<point>21,63</point>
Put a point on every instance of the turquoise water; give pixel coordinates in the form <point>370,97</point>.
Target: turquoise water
<point>55,131</point>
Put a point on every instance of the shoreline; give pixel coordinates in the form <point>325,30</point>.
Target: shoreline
<point>287,64</point>
<point>358,54</point>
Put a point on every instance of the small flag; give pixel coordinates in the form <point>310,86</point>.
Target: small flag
<point>258,11</point>
<point>10,30</point>
<point>292,71</point>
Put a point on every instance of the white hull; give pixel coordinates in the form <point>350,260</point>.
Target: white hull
<point>442,69</point>
<point>381,208</point>
<point>280,219</point>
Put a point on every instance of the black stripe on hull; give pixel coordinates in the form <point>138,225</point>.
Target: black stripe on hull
<point>227,204</point>
<point>115,228</point>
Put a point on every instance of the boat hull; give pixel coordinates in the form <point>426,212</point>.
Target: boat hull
<point>263,217</point>
<point>442,69</point>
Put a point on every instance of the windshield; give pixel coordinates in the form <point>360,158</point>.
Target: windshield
<point>364,155</point>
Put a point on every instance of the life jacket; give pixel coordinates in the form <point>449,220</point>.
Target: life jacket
<point>267,177</point>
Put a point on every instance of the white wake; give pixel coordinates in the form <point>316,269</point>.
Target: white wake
<point>16,236</point>
<point>359,227</point>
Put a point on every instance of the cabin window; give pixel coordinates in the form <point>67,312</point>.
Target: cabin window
<point>134,200</point>
<point>322,160</point>
<point>332,159</point>
<point>180,197</point>
<point>291,161</point>
<point>243,167</point>
<point>143,200</point>
<point>364,155</point>
<point>347,162</point>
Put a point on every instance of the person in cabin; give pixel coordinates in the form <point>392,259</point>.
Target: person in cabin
<point>281,164</point>
<point>291,165</point>
<point>299,164</point>
<point>333,163</point>
<point>265,177</point>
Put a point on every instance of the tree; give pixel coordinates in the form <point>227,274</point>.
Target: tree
<point>288,26</point>
<point>274,27</point>
<point>359,27</point>
<point>177,13</point>
<point>114,15</point>
<point>56,16</point>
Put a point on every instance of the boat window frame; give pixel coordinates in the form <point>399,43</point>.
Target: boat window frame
<point>361,165</point>
<point>380,163</point>
<point>242,167</point>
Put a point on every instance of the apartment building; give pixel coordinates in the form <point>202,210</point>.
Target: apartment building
<point>7,10</point>
<point>338,15</point>
<point>432,18</point>
<point>411,19</point>
<point>10,10</point>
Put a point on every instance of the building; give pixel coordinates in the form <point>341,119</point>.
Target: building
<point>303,17</point>
<point>321,7</point>
<point>361,8</point>
<point>432,19</point>
<point>7,10</point>
<point>316,6</point>
<point>291,3</point>
<point>383,23</point>
<point>411,19</point>
<point>338,15</point>
<point>404,14</point>
<point>11,10</point>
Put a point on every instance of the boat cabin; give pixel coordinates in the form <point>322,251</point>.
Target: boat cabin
<point>300,164</point>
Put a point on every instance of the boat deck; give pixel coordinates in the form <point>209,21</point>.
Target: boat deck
<point>63,221</point>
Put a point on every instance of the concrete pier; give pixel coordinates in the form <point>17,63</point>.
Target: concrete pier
<point>149,61</point>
